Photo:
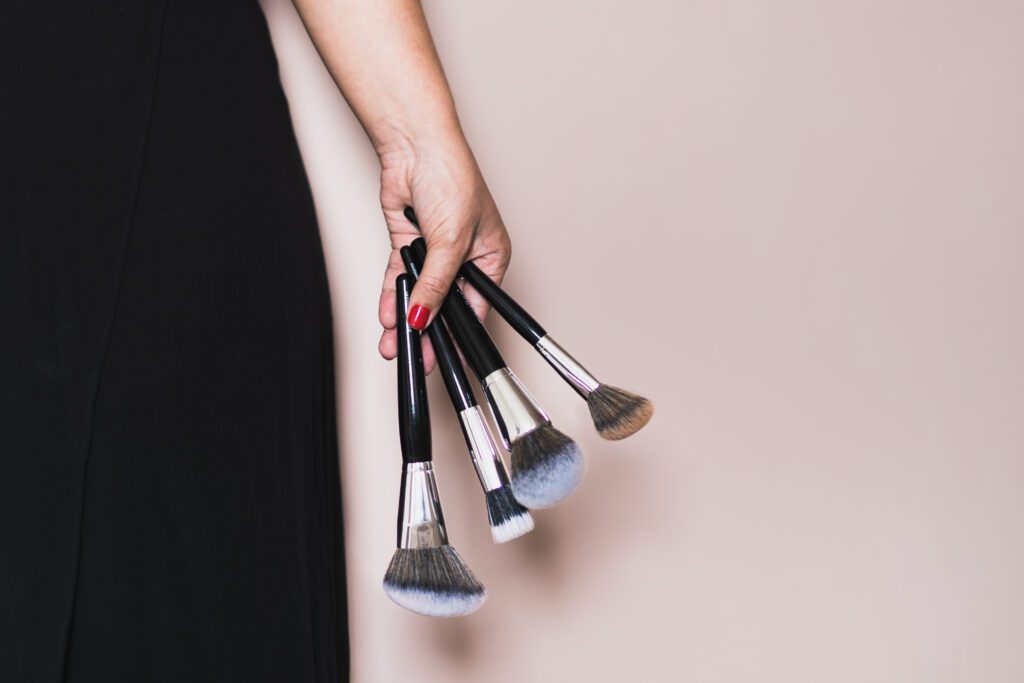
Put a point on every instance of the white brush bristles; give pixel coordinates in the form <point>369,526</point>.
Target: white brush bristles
<point>434,582</point>
<point>546,467</point>
<point>433,604</point>
<point>512,528</point>
<point>507,517</point>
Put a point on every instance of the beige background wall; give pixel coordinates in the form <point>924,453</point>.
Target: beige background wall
<point>799,227</point>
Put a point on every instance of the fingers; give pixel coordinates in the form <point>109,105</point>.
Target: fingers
<point>476,302</point>
<point>388,347</point>
<point>388,344</point>
<point>494,266</point>
<point>386,308</point>
<point>493,262</point>
<point>429,358</point>
<point>444,257</point>
<point>448,247</point>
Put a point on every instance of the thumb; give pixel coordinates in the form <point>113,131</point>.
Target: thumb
<point>444,258</point>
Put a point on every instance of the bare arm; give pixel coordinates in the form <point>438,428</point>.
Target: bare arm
<point>382,57</point>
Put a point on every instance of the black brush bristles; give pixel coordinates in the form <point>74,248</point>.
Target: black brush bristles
<point>508,518</point>
<point>434,582</point>
<point>618,413</point>
<point>546,467</point>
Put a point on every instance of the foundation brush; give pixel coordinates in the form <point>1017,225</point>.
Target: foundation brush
<point>507,517</point>
<point>546,464</point>
<point>426,574</point>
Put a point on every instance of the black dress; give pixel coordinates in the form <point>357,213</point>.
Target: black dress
<point>169,495</point>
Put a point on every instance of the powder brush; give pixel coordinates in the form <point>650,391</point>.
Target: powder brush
<point>426,574</point>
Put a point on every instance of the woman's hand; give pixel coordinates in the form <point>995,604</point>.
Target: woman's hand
<point>381,55</point>
<point>458,219</point>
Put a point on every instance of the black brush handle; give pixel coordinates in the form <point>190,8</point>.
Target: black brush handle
<point>413,411</point>
<point>448,361</point>
<point>509,309</point>
<point>481,353</point>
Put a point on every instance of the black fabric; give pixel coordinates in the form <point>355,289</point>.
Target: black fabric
<point>169,495</point>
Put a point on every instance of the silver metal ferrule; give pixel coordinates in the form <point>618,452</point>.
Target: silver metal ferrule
<point>515,411</point>
<point>489,466</point>
<point>420,522</point>
<point>568,367</point>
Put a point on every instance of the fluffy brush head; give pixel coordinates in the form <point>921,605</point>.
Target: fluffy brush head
<point>434,582</point>
<point>546,467</point>
<point>508,518</point>
<point>618,413</point>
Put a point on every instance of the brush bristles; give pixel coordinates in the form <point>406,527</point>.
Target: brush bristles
<point>434,582</point>
<point>508,518</point>
<point>618,413</point>
<point>546,467</point>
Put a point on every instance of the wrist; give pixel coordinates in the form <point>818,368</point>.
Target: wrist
<point>401,142</point>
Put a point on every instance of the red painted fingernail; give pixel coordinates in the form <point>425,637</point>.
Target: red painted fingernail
<point>418,317</point>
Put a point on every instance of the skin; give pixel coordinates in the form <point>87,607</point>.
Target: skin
<point>383,60</point>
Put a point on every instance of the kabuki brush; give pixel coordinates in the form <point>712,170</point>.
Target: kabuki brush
<point>616,413</point>
<point>426,575</point>
<point>508,519</point>
<point>546,464</point>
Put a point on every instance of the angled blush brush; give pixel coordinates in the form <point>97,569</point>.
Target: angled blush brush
<point>546,464</point>
<point>616,413</point>
<point>426,575</point>
<point>507,517</point>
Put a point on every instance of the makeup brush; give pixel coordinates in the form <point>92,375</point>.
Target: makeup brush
<point>507,517</point>
<point>616,413</point>
<point>546,464</point>
<point>426,575</point>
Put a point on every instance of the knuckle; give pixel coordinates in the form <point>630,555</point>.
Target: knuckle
<point>448,241</point>
<point>433,285</point>
<point>504,255</point>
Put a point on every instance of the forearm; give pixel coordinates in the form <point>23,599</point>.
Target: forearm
<point>381,55</point>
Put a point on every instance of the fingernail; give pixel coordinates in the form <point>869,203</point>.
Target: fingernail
<point>418,317</point>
